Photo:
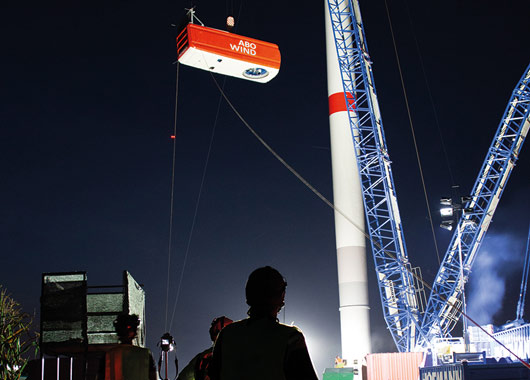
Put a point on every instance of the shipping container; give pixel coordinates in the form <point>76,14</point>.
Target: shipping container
<point>466,371</point>
<point>394,366</point>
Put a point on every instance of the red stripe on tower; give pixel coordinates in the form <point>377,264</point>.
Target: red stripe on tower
<point>338,104</point>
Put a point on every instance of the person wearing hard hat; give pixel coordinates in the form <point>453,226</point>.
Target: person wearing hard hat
<point>197,368</point>
<point>127,361</point>
<point>259,347</point>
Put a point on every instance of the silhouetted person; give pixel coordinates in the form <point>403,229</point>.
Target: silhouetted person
<point>197,368</point>
<point>259,347</point>
<point>126,361</point>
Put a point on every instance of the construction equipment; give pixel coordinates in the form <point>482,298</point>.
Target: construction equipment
<point>478,212</point>
<point>398,297</point>
<point>410,330</point>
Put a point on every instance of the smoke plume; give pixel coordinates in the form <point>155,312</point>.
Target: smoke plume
<point>499,259</point>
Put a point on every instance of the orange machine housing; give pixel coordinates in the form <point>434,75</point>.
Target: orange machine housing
<point>227,53</point>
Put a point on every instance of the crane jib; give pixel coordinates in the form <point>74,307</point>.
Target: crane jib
<point>395,281</point>
<point>487,191</point>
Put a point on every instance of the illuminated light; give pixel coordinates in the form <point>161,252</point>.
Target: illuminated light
<point>446,211</point>
<point>230,21</point>
<point>469,223</point>
<point>445,201</point>
<point>448,225</point>
<point>167,343</point>
<point>173,136</point>
<point>321,350</point>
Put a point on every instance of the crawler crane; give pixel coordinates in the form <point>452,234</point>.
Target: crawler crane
<point>410,329</point>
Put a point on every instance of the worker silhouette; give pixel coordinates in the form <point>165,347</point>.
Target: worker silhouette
<point>127,361</point>
<point>259,347</point>
<point>197,368</point>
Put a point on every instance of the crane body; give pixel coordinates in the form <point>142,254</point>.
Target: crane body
<point>353,102</point>
<point>410,329</point>
<point>383,220</point>
<point>441,314</point>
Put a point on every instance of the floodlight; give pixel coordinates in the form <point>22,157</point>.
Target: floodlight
<point>447,224</point>
<point>446,201</point>
<point>167,343</point>
<point>446,211</point>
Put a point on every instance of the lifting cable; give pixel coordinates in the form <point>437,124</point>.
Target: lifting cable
<point>425,190</point>
<point>172,191</point>
<point>194,219</point>
<point>431,100</point>
<point>205,169</point>
<point>279,158</point>
<point>413,133</point>
<point>335,208</point>
<point>172,208</point>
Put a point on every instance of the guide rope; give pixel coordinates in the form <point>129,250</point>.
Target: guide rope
<point>198,197</point>
<point>413,134</point>
<point>172,192</point>
<point>431,99</point>
<point>197,203</point>
<point>335,208</point>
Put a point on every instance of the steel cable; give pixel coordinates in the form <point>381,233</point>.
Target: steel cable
<point>331,205</point>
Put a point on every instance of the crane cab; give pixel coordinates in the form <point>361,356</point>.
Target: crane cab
<point>228,54</point>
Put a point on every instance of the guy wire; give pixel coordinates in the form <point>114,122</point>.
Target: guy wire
<point>335,208</point>
<point>413,133</point>
<point>203,179</point>
<point>172,192</point>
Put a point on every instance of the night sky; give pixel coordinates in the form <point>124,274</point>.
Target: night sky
<point>87,103</point>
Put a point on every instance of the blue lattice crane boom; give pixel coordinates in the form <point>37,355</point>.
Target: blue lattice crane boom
<point>396,283</point>
<point>440,315</point>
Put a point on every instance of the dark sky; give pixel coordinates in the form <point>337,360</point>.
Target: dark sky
<point>87,96</point>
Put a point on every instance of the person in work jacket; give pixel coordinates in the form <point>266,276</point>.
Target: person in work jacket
<point>259,347</point>
<point>198,366</point>
<point>127,361</point>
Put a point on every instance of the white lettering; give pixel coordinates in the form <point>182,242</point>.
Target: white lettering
<point>244,47</point>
